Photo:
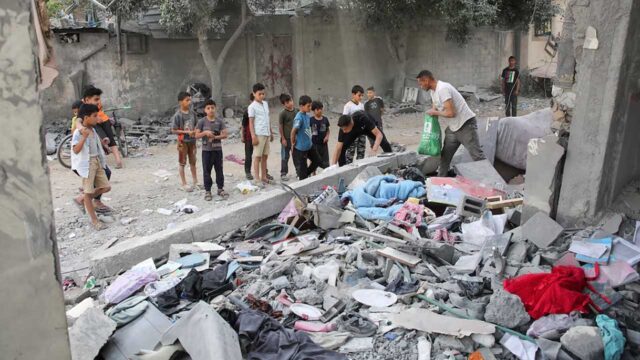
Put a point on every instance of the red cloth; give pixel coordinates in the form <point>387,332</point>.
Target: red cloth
<point>559,292</point>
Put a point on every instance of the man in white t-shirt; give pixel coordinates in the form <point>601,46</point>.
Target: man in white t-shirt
<point>455,117</point>
<point>261,134</point>
<point>359,146</point>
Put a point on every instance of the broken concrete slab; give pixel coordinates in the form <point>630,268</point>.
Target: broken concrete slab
<point>428,321</point>
<point>481,171</point>
<point>585,342</point>
<point>506,309</point>
<point>142,333</point>
<point>89,333</point>
<point>541,230</point>
<point>75,312</point>
<point>127,253</point>
<point>544,176</point>
<point>428,164</point>
<point>204,335</point>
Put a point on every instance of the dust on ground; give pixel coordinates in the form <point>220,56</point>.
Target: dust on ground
<point>137,193</point>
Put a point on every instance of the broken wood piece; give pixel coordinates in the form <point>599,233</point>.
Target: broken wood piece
<point>505,203</point>
<point>380,237</point>
<point>493,198</point>
<point>399,256</point>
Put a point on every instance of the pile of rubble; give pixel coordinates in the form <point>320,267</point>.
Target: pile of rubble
<point>391,266</point>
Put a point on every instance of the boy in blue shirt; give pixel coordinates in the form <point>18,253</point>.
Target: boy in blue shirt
<point>303,149</point>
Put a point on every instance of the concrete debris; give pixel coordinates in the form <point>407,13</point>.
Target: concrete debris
<point>585,342</point>
<point>541,230</point>
<point>507,310</point>
<point>544,168</point>
<point>89,333</point>
<point>423,283</point>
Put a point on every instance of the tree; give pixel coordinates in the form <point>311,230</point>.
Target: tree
<point>397,18</point>
<point>200,18</point>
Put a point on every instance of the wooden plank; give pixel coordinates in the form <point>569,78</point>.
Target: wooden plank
<point>399,256</point>
<point>505,203</point>
<point>249,259</point>
<point>380,237</point>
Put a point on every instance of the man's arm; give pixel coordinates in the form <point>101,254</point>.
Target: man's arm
<point>326,137</point>
<point>378,134</point>
<point>223,134</point>
<point>517,90</point>
<point>448,112</point>
<point>503,83</point>
<point>252,128</point>
<point>294,131</point>
<point>283,139</point>
<point>336,153</point>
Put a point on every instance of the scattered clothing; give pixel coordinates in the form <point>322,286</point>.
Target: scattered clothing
<point>559,292</point>
<point>128,310</point>
<point>265,338</point>
<point>612,338</point>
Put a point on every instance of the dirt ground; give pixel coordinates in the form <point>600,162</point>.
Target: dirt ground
<point>137,193</point>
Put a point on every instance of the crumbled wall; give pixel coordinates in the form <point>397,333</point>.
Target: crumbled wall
<point>32,311</point>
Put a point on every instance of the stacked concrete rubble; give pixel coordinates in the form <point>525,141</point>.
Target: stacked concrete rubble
<point>429,269</point>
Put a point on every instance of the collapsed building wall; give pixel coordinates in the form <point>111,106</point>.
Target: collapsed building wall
<point>603,153</point>
<point>322,54</point>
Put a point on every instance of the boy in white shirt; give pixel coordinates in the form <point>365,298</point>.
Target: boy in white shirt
<point>261,134</point>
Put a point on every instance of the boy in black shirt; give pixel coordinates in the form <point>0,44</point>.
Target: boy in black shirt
<point>320,133</point>
<point>511,86</point>
<point>352,127</point>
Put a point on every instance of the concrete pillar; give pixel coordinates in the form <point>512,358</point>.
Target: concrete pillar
<point>603,153</point>
<point>297,25</point>
<point>32,306</point>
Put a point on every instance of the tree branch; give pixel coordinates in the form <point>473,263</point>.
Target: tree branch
<point>244,20</point>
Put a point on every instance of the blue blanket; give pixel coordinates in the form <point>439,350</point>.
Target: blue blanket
<point>372,199</point>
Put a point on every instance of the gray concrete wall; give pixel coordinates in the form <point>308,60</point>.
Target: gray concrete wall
<point>330,54</point>
<point>32,307</point>
<point>148,82</point>
<point>603,150</point>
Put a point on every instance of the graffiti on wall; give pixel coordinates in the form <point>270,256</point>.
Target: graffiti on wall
<point>274,63</point>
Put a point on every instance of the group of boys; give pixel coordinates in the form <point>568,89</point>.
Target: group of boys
<point>304,134</point>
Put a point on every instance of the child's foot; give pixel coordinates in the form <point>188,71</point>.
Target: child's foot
<point>259,184</point>
<point>197,186</point>
<point>223,193</point>
<point>208,196</point>
<point>79,203</point>
<point>249,176</point>
<point>267,181</point>
<point>99,225</point>
<point>284,177</point>
<point>187,188</point>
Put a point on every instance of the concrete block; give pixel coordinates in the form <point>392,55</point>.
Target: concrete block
<point>208,226</point>
<point>544,170</point>
<point>89,333</point>
<point>428,164</point>
<point>541,230</point>
<point>584,341</point>
<point>481,171</point>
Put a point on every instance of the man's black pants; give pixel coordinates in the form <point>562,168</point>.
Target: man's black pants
<point>384,145</point>
<point>300,162</point>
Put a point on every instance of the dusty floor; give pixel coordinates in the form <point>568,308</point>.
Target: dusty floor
<point>138,193</point>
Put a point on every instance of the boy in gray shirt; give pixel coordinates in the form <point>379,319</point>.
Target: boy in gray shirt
<point>212,130</point>
<point>183,124</point>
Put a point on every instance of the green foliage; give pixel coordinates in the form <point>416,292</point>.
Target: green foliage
<point>55,7</point>
<point>459,16</point>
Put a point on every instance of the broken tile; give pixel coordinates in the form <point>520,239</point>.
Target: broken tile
<point>541,230</point>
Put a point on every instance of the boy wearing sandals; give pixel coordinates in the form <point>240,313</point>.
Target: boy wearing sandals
<point>88,160</point>
<point>212,130</point>
<point>183,124</point>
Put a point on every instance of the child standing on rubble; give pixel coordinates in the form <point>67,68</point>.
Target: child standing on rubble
<point>320,133</point>
<point>183,124</point>
<point>261,134</point>
<point>89,161</point>
<point>285,123</point>
<point>303,149</point>
<point>212,130</point>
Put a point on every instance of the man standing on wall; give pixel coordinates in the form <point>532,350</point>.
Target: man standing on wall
<point>456,118</point>
<point>511,87</point>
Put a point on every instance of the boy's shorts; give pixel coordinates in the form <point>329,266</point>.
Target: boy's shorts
<point>97,177</point>
<point>262,149</point>
<point>187,150</point>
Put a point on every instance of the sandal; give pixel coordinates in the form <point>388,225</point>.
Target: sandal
<point>208,196</point>
<point>357,325</point>
<point>269,177</point>
<point>223,193</point>
<point>103,209</point>
<point>187,188</point>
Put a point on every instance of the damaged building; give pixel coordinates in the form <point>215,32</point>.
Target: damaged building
<point>374,260</point>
